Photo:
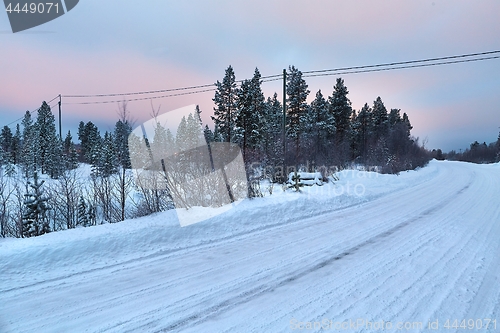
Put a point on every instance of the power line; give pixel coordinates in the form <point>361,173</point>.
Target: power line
<point>53,99</point>
<point>17,120</point>
<point>31,112</point>
<point>404,62</point>
<point>278,77</point>
<point>139,93</point>
<point>402,67</point>
<point>143,98</point>
<point>162,96</point>
<point>156,91</point>
<point>315,73</point>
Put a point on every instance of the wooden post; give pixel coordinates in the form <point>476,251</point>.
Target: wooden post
<point>60,127</point>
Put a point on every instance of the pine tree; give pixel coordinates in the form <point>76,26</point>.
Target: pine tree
<point>92,214</point>
<point>83,217</point>
<point>107,161</point>
<point>8,150</point>
<point>297,92</point>
<point>49,161</point>
<point>394,118</point>
<point>159,145</point>
<point>139,156</point>
<point>182,136</point>
<point>273,132</point>
<point>341,110</point>
<point>70,155</point>
<point>363,131</point>
<point>194,132</point>
<point>72,161</point>
<point>121,134</point>
<point>225,106</point>
<point>122,153</point>
<point>16,145</point>
<point>30,147</point>
<point>57,162</point>
<point>170,142</point>
<point>249,121</point>
<point>380,119</point>
<point>322,124</point>
<point>189,136</point>
<point>6,139</point>
<point>67,143</point>
<point>197,115</point>
<point>91,142</point>
<point>208,134</point>
<point>35,222</point>
<point>406,121</point>
<point>82,136</point>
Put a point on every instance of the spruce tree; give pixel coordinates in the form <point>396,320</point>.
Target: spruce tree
<point>322,124</point>
<point>67,143</point>
<point>35,221</point>
<point>107,161</point>
<point>170,142</point>
<point>6,139</point>
<point>243,105</point>
<point>194,131</point>
<point>159,146</point>
<point>208,134</point>
<point>5,146</point>
<point>16,145</point>
<point>91,142</point>
<point>121,134</point>
<point>297,92</point>
<point>182,135</point>
<point>83,217</point>
<point>82,136</point>
<point>341,110</point>
<point>363,131</point>
<point>189,136</point>
<point>225,106</point>
<point>72,160</point>
<point>394,118</point>
<point>70,155</point>
<point>273,132</point>
<point>49,161</point>
<point>92,214</point>
<point>197,115</point>
<point>380,119</point>
<point>407,123</point>
<point>30,148</point>
<point>57,162</point>
<point>250,115</point>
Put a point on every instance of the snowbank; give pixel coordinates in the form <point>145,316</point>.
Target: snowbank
<point>109,244</point>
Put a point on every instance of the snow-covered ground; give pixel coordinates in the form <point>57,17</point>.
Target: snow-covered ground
<point>368,253</point>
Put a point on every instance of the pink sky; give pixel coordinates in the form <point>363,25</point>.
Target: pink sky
<point>117,47</point>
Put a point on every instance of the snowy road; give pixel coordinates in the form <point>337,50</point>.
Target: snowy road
<point>427,252</point>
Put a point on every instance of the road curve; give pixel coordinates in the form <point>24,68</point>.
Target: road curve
<point>426,253</point>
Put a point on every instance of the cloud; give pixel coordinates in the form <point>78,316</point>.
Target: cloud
<point>32,75</point>
<point>117,46</point>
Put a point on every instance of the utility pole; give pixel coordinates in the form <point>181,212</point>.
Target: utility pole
<point>284,125</point>
<point>60,127</point>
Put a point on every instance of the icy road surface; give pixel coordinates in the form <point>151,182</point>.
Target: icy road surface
<point>425,251</point>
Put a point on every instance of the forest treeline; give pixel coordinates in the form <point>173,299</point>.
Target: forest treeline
<point>45,184</point>
<point>326,132</point>
<point>476,153</point>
